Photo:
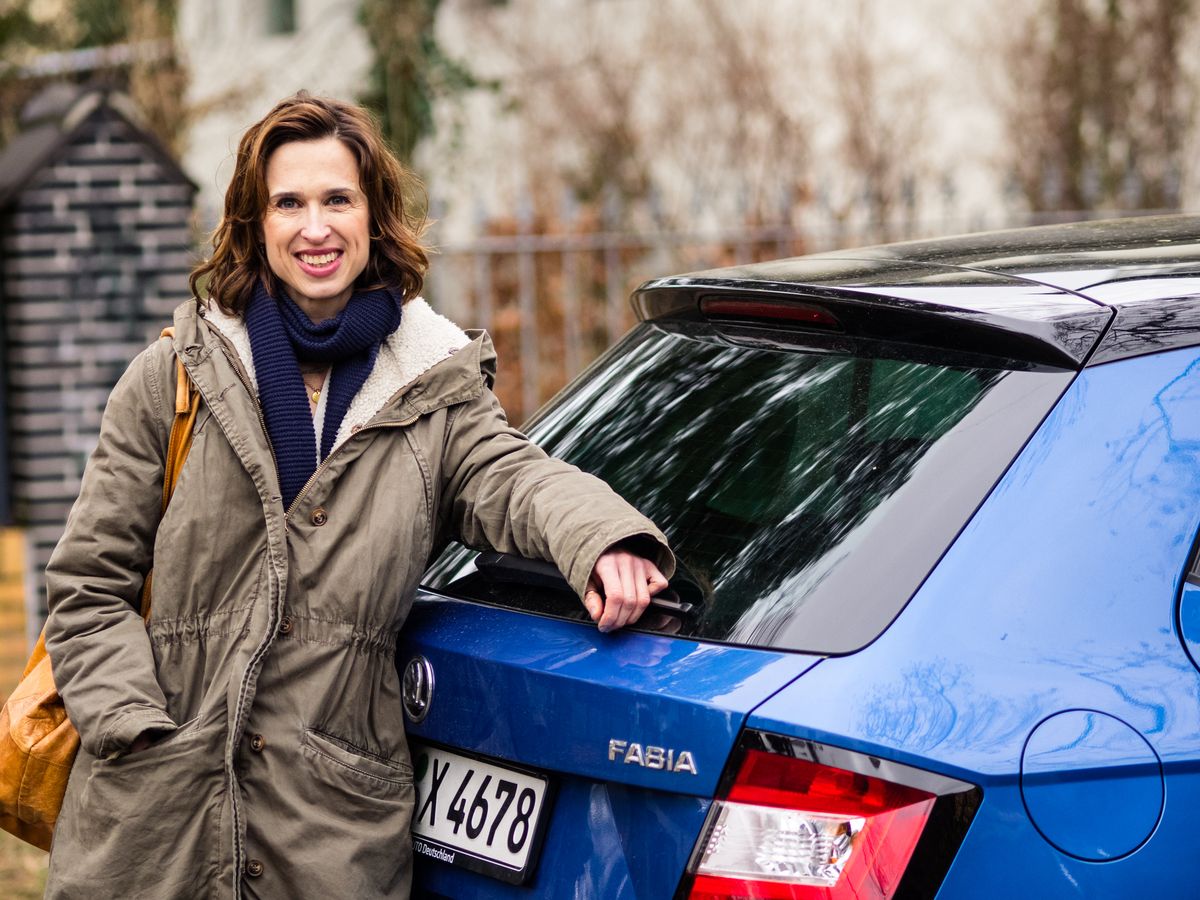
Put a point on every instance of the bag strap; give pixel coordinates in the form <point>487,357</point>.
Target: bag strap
<point>187,404</point>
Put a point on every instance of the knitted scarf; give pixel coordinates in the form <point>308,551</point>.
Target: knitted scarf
<point>281,338</point>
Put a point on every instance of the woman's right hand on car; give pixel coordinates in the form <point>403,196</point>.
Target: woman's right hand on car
<point>620,588</point>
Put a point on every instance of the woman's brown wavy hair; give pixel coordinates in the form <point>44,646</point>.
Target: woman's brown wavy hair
<point>239,258</point>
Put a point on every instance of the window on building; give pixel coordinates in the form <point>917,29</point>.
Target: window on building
<point>281,16</point>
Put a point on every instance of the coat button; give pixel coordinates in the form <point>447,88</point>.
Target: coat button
<point>286,624</point>
<point>319,517</point>
<point>254,867</point>
<point>257,743</point>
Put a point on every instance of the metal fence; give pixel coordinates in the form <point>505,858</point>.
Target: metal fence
<point>553,302</point>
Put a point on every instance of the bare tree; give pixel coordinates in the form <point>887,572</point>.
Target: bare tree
<point>659,109</point>
<point>157,79</point>
<point>149,69</point>
<point>1098,102</point>
<point>574,97</point>
<point>699,112</point>
<point>759,108</point>
<point>879,102</point>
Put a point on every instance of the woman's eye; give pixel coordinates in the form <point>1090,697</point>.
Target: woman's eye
<point>288,203</point>
<point>339,200</point>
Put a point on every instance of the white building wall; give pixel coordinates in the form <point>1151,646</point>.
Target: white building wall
<point>239,71</point>
<point>486,159</point>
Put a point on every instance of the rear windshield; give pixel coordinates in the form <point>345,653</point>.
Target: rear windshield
<point>806,489</point>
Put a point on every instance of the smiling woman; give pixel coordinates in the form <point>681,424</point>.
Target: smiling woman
<point>249,740</point>
<point>317,224</point>
<point>307,155</point>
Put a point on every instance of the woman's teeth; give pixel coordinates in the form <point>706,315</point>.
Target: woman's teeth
<point>323,260</point>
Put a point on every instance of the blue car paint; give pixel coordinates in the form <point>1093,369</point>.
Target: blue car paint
<point>1106,814</point>
<point>1189,621</point>
<point>1060,594</point>
<point>552,694</point>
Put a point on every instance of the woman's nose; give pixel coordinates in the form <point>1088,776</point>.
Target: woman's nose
<point>315,227</point>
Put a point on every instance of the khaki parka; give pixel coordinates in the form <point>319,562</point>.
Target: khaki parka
<point>269,656</point>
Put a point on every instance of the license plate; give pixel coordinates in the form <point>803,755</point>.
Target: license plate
<point>477,814</point>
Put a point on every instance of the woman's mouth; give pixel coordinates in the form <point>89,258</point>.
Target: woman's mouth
<point>319,264</point>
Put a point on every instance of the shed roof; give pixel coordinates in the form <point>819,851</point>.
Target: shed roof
<point>53,117</point>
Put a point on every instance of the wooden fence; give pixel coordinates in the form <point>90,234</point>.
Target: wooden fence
<point>14,624</point>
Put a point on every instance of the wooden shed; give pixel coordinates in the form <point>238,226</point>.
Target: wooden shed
<point>96,235</point>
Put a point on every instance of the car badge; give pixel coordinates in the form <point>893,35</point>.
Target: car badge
<point>416,691</point>
<point>649,756</point>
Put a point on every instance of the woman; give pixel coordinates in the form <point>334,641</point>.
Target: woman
<point>250,741</point>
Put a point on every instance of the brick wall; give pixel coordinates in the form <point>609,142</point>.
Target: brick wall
<point>96,251</point>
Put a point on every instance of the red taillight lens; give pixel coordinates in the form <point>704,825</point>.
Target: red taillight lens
<point>791,829</point>
<point>798,313</point>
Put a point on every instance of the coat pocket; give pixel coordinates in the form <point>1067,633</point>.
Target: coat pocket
<point>166,796</point>
<point>378,772</point>
<point>160,748</point>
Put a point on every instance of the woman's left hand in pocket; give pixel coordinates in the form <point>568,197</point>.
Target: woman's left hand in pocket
<point>145,740</point>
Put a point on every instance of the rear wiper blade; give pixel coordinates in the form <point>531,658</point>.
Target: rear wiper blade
<point>505,567</point>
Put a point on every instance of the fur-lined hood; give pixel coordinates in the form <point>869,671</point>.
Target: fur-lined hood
<point>423,340</point>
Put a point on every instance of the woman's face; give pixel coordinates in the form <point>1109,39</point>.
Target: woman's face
<point>316,226</point>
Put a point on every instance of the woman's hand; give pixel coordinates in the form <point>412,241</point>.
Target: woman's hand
<point>145,740</point>
<point>620,588</point>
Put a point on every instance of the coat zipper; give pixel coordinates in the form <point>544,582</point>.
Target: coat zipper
<point>262,421</point>
<point>239,369</point>
<point>239,849</point>
<point>336,450</point>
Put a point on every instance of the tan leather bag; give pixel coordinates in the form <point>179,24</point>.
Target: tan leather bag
<point>38,743</point>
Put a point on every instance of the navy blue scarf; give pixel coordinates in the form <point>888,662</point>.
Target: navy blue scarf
<point>282,337</point>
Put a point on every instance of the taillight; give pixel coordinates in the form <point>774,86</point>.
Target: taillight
<point>778,310</point>
<point>795,828</point>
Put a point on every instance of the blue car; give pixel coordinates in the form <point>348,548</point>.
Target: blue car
<point>935,630</point>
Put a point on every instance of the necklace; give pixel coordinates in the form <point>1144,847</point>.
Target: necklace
<point>314,391</point>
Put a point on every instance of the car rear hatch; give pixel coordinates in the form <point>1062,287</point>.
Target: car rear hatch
<point>811,451</point>
<point>632,731</point>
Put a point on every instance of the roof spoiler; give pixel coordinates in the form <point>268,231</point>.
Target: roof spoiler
<point>1016,321</point>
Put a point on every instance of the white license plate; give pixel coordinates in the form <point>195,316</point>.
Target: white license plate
<point>477,814</point>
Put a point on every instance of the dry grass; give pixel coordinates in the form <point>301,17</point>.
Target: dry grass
<point>22,869</point>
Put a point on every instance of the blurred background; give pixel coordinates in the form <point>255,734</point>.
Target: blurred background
<point>570,149</point>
